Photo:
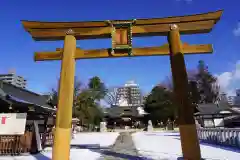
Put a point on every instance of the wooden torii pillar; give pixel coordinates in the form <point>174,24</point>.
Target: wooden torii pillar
<point>121,33</point>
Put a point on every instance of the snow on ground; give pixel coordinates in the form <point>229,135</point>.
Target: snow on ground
<point>102,138</point>
<point>96,139</point>
<point>156,145</point>
<point>162,145</point>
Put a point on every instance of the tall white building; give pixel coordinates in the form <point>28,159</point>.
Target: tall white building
<point>14,79</point>
<point>238,92</point>
<point>237,97</point>
<point>231,100</point>
<point>129,94</point>
<point>234,100</point>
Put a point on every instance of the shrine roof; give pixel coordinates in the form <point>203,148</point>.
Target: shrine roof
<point>215,109</point>
<point>121,111</point>
<point>13,94</point>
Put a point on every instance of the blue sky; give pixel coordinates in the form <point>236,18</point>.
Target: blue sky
<point>17,47</point>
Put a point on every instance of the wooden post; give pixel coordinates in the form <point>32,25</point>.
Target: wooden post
<point>62,135</point>
<point>187,126</point>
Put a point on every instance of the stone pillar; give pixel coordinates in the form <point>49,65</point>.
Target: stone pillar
<point>150,127</point>
<point>103,127</point>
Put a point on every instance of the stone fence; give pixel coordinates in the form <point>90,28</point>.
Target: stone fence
<point>229,137</point>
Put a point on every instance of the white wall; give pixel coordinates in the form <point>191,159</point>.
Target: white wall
<point>12,123</point>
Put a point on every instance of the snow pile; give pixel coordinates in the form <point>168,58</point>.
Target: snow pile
<point>81,140</point>
<point>104,139</point>
<point>162,145</point>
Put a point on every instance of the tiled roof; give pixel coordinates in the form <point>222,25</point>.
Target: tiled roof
<point>121,111</point>
<point>212,108</point>
<point>16,94</point>
<point>235,110</point>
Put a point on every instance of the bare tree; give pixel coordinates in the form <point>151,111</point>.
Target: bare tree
<point>111,96</point>
<point>192,74</point>
<point>53,94</point>
<point>167,83</point>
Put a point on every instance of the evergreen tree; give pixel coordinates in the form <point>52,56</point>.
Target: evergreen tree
<point>97,88</point>
<point>207,84</point>
<point>84,106</point>
<point>202,88</point>
<point>159,104</point>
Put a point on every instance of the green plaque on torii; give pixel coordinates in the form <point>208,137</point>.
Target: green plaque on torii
<point>121,36</point>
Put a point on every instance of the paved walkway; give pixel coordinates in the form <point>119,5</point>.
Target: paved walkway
<point>123,148</point>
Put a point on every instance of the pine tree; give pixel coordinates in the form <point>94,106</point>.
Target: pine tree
<point>97,88</point>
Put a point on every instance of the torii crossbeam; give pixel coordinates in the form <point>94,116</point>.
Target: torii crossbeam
<point>105,53</point>
<point>121,32</point>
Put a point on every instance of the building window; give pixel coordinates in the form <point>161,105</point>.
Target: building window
<point>8,79</point>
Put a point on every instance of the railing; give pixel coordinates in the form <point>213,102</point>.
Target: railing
<point>220,136</point>
<point>47,139</point>
<point>15,144</point>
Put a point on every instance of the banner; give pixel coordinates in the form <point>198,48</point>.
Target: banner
<point>12,123</point>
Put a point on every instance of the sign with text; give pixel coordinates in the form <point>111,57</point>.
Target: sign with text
<point>12,123</point>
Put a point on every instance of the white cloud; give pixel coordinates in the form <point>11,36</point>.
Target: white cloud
<point>228,80</point>
<point>236,31</point>
<point>224,79</point>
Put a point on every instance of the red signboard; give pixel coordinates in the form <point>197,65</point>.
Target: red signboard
<point>3,121</point>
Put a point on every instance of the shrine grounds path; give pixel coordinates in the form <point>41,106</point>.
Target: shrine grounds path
<point>122,149</point>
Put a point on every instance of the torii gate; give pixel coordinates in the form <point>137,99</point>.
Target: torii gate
<point>121,32</point>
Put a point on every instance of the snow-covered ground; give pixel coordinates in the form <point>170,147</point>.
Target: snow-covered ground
<point>160,145</point>
<point>155,145</point>
<point>83,140</point>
